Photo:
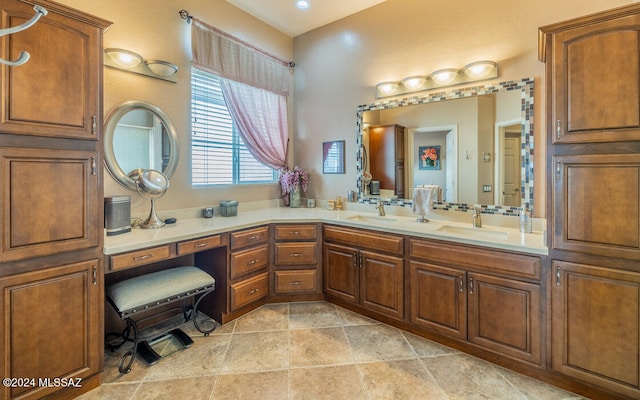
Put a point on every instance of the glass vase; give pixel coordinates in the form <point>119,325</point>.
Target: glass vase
<point>295,197</point>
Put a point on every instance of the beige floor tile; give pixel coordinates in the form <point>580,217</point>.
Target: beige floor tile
<point>321,346</point>
<point>315,351</point>
<point>378,342</point>
<point>326,383</point>
<point>313,315</point>
<point>271,385</point>
<point>425,347</point>
<point>350,318</point>
<point>464,377</point>
<point>173,389</point>
<point>270,317</point>
<point>111,391</point>
<point>203,358</point>
<point>534,389</point>
<point>400,380</point>
<point>258,351</point>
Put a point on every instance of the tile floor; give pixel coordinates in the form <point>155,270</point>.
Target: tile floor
<point>315,351</point>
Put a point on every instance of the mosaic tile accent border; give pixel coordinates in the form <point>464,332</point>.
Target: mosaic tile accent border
<point>526,86</point>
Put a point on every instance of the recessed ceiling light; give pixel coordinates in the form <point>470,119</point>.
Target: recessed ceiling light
<point>303,4</point>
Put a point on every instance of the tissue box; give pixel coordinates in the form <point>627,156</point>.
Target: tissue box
<point>229,208</point>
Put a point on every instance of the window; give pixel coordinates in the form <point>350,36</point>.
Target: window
<point>218,154</point>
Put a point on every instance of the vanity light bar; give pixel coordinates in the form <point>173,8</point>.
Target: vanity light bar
<point>126,60</point>
<point>475,71</point>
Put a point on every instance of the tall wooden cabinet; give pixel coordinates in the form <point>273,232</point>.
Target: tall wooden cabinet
<point>593,130</point>
<point>386,148</point>
<point>51,199</point>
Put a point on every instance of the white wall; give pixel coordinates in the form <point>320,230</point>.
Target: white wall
<point>153,29</point>
<point>337,67</point>
<point>339,64</point>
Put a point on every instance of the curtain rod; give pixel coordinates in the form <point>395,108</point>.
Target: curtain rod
<point>184,14</point>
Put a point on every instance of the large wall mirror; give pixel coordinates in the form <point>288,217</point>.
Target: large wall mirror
<point>475,143</point>
<point>139,135</point>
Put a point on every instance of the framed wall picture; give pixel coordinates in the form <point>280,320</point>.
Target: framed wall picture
<point>429,157</point>
<point>333,157</point>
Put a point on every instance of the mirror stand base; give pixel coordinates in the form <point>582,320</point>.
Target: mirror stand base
<point>422,219</point>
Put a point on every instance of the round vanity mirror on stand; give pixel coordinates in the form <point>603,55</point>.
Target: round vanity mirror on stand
<point>150,184</point>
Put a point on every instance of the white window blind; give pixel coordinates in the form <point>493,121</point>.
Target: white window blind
<point>218,154</point>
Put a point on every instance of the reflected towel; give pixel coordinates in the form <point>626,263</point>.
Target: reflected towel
<point>423,198</point>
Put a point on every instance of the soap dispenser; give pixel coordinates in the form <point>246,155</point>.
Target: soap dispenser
<point>525,220</point>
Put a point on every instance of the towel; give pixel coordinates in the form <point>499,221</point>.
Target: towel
<point>423,198</point>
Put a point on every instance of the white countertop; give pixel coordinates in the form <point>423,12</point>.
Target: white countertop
<point>191,228</point>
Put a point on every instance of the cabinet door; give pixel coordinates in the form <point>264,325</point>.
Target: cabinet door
<point>595,93</point>
<point>340,266</point>
<point>596,208</point>
<point>382,283</point>
<point>57,92</point>
<point>504,315</point>
<point>49,202</point>
<point>439,299</point>
<point>50,325</point>
<point>595,325</point>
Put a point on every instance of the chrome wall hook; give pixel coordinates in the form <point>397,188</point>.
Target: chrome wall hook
<point>24,56</point>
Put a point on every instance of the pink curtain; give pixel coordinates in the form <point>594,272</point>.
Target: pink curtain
<point>261,118</point>
<point>255,85</point>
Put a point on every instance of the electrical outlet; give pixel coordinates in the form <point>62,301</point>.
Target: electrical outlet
<point>486,188</point>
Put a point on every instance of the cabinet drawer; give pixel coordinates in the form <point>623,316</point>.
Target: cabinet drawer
<point>140,257</point>
<point>193,246</point>
<point>244,262</point>
<point>381,242</point>
<point>249,290</point>
<point>488,260</point>
<point>296,253</point>
<point>296,281</point>
<point>249,237</point>
<point>296,232</point>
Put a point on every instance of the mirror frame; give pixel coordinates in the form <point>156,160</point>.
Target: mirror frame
<point>525,85</point>
<point>109,131</point>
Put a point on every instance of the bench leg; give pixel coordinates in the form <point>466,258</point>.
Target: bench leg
<point>194,315</point>
<point>131,354</point>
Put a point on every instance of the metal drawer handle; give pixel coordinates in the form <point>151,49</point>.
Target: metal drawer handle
<point>253,237</point>
<point>254,291</point>
<point>296,254</point>
<point>294,233</point>
<point>140,258</point>
<point>200,245</point>
<point>253,261</point>
<point>295,283</point>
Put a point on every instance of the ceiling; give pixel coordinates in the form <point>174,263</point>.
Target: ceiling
<point>284,16</point>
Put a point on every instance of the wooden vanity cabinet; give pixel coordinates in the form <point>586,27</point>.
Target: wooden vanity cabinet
<point>486,297</point>
<point>593,197</point>
<point>592,65</point>
<point>596,325</point>
<point>58,92</point>
<point>51,191</point>
<point>248,280</point>
<point>52,319</point>
<point>295,267</point>
<point>365,269</point>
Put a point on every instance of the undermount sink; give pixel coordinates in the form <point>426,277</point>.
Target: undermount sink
<point>370,218</point>
<point>482,233</point>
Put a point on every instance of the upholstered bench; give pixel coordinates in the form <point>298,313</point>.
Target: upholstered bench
<point>144,293</point>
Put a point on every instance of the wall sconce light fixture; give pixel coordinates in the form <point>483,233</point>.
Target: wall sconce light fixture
<point>126,60</point>
<point>472,72</point>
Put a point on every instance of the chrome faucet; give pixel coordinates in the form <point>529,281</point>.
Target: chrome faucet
<point>477,218</point>
<point>380,208</point>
